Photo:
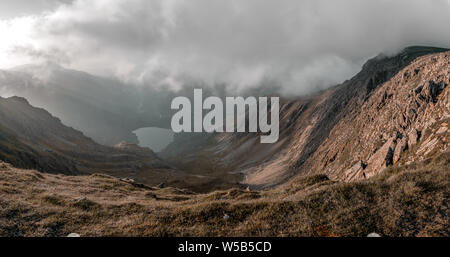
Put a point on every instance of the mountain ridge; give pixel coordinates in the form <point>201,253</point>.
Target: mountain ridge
<point>305,125</point>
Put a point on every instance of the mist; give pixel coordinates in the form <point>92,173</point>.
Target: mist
<point>300,46</point>
<point>154,138</point>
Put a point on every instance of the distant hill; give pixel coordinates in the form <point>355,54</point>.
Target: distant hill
<point>106,110</point>
<point>32,138</point>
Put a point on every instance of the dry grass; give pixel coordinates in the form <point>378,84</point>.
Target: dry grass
<point>402,201</point>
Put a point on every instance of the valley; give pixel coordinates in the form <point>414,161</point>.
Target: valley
<point>368,155</point>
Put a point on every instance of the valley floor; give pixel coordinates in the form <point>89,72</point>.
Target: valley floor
<point>410,200</point>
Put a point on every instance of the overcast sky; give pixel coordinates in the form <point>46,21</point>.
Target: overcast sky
<point>302,45</point>
<point>14,8</point>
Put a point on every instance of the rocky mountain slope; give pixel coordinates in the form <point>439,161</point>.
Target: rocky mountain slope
<point>394,111</point>
<point>404,120</point>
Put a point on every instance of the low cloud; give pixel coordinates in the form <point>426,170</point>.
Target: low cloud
<point>300,46</point>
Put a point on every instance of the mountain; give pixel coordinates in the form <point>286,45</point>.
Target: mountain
<point>394,111</point>
<point>368,155</point>
<point>32,138</point>
<point>106,110</point>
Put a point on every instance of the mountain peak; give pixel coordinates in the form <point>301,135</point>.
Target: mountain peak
<point>47,65</point>
<point>422,50</point>
<point>42,71</point>
<point>18,99</point>
<point>404,56</point>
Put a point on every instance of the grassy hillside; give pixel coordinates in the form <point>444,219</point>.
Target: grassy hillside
<point>410,200</point>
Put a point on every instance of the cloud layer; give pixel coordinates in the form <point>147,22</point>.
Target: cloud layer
<point>298,45</point>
